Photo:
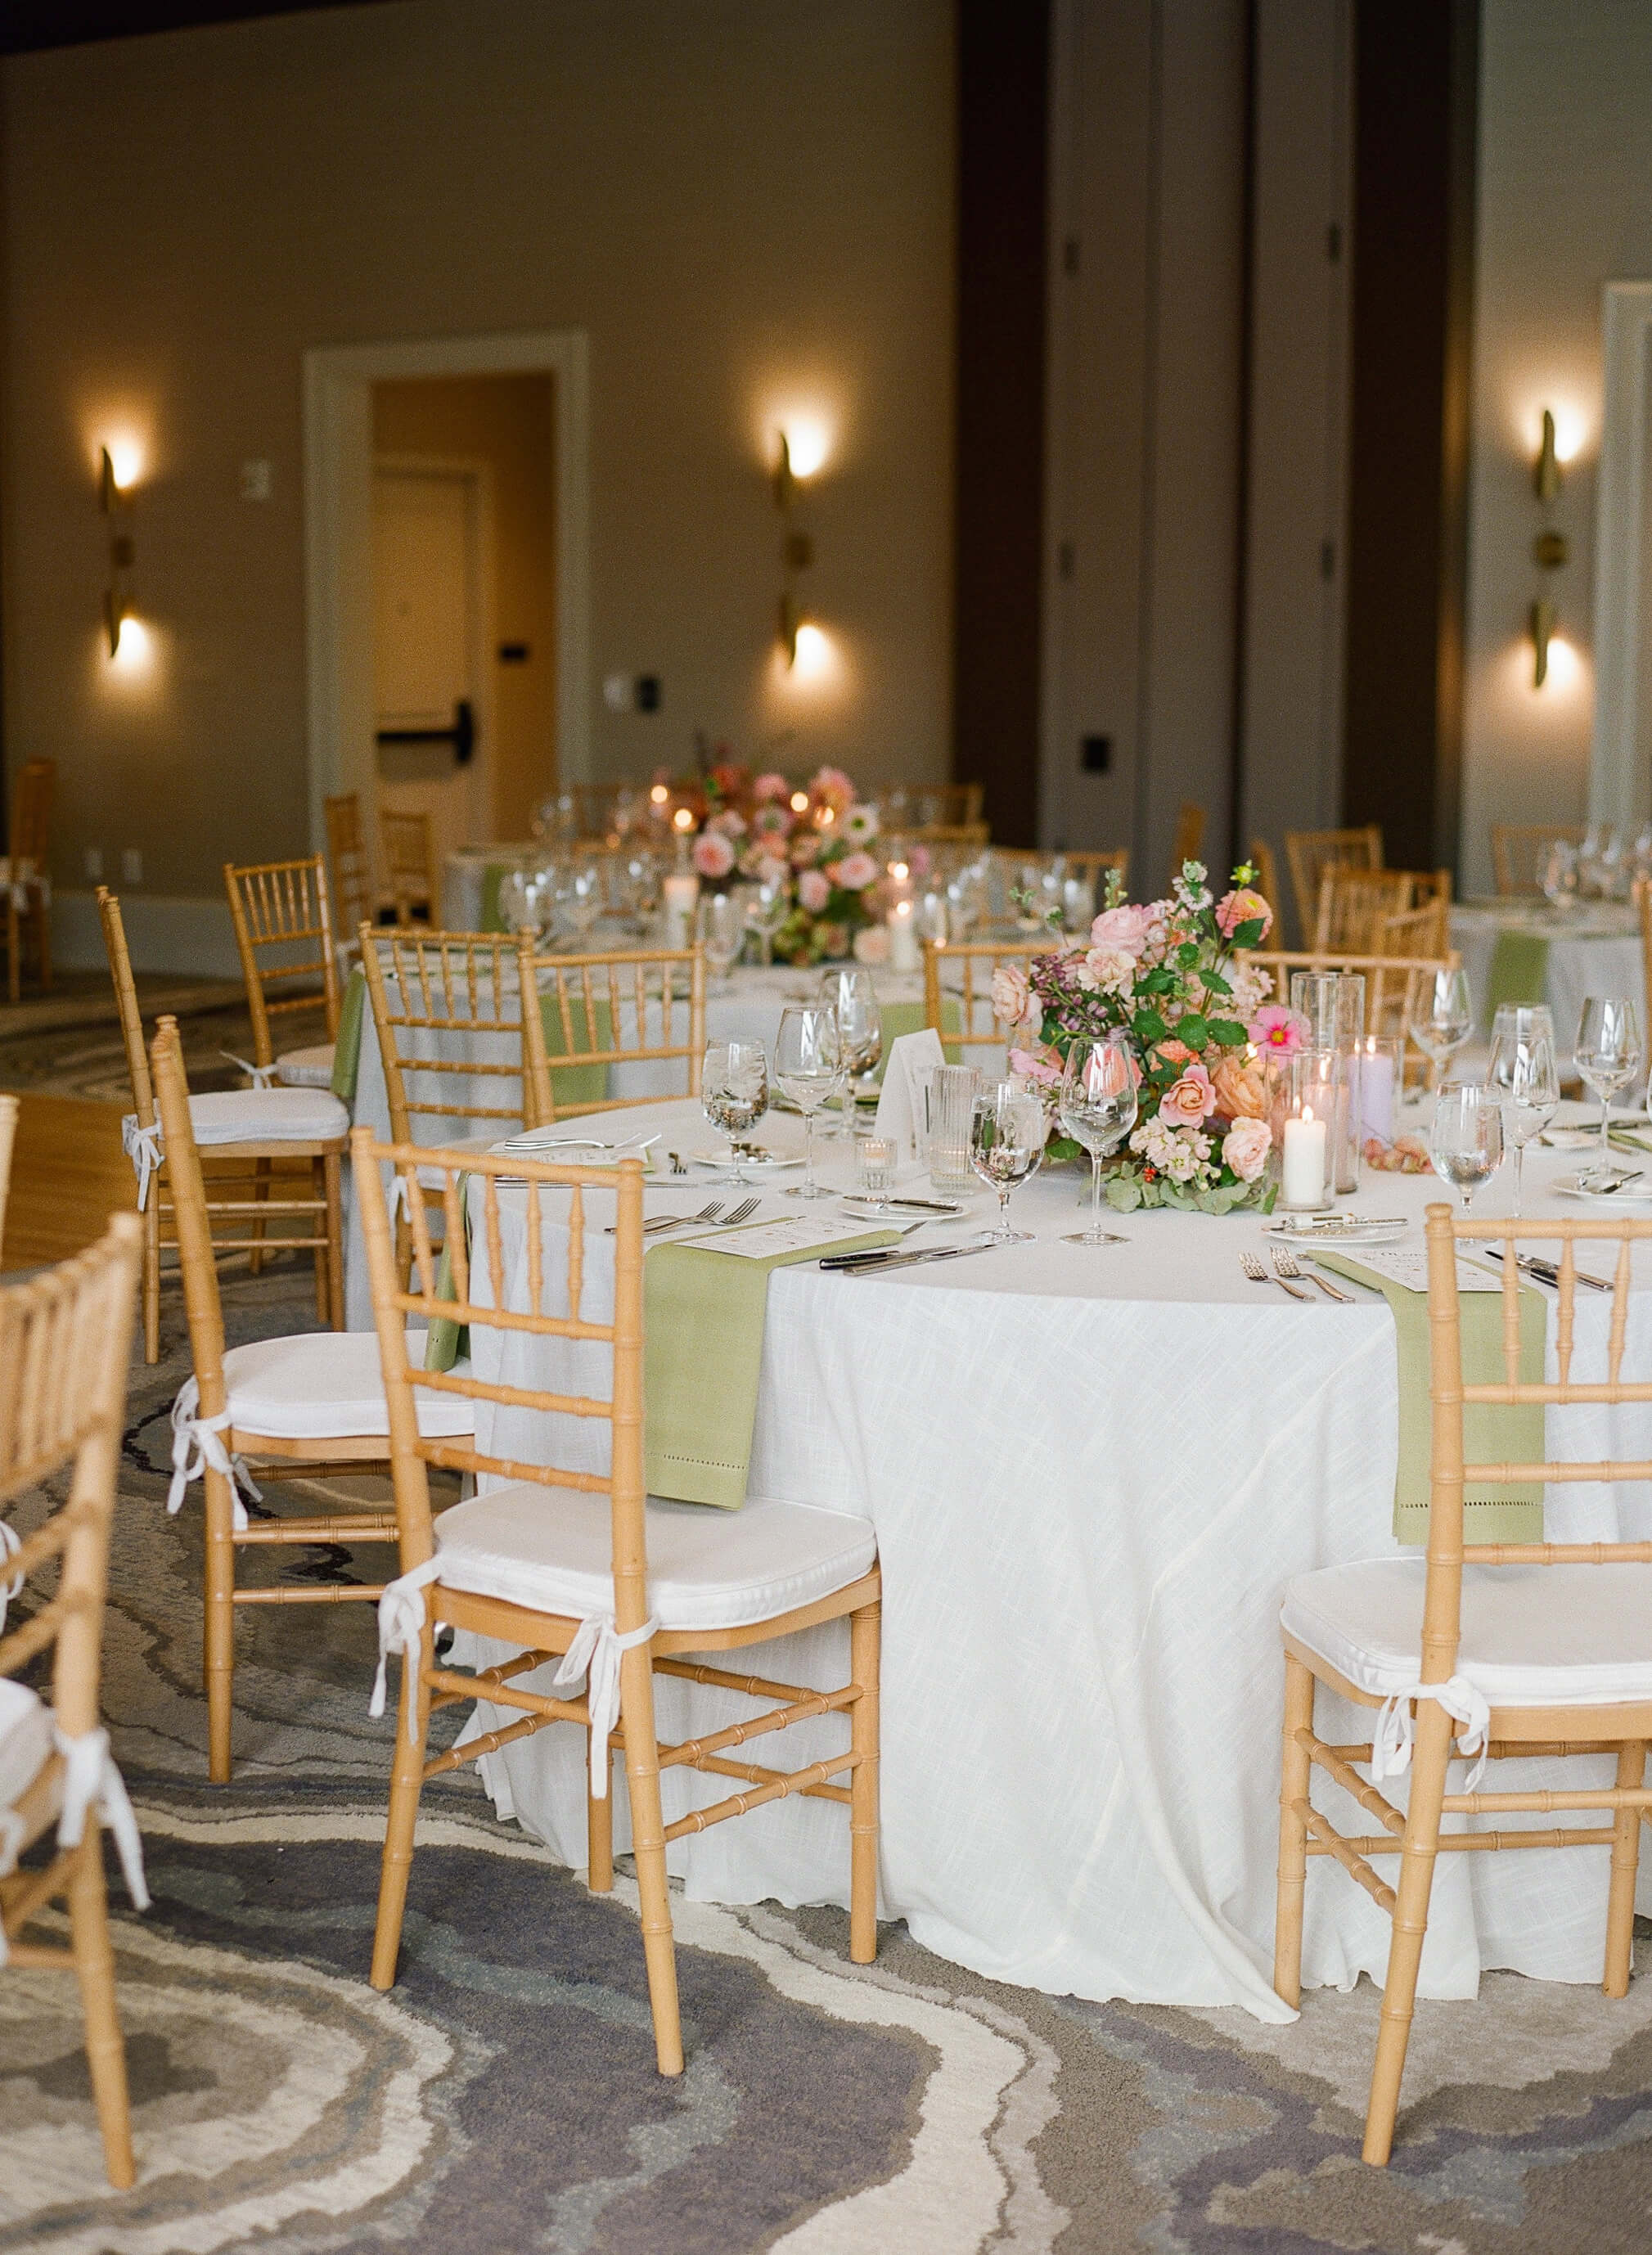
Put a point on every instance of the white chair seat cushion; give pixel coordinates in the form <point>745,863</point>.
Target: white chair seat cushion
<point>553,1551</point>
<point>325,1386</point>
<point>311,1068</point>
<point>261,1116</point>
<point>26,1739</point>
<point>1549,1636</point>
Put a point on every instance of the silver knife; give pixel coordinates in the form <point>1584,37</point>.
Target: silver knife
<point>872,1266</point>
<point>1548,1272</point>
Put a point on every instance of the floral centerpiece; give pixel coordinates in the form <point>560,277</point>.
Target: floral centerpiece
<point>1205,1038</point>
<point>815,840</point>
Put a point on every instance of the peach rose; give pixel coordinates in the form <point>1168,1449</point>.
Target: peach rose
<point>1190,1101</point>
<point>1242,907</point>
<point>1245,1148</point>
<point>713,856</point>
<point>1125,928</point>
<point>1012,997</point>
<point>855,872</point>
<point>1242,1089</point>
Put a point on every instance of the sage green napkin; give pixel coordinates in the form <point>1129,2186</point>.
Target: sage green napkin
<point>576,1084</point>
<point>702,1356</point>
<point>1519,971</point>
<point>347,1051</point>
<point>1490,1433</point>
<point>492,875</point>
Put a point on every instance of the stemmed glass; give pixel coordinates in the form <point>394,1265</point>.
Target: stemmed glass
<point>734,1093</point>
<point>1607,1056</point>
<point>1442,1019</point>
<point>1097,1107</point>
<point>722,932</point>
<point>1525,1077</point>
<point>1467,1144</point>
<point>1006,1145</point>
<point>524,901</point>
<point>582,899</point>
<point>1559,873</point>
<point>767,904</point>
<point>808,1067</point>
<point>860,1023</point>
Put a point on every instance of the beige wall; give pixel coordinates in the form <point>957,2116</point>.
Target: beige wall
<point>1565,206</point>
<point>748,207</point>
<point>506,422</point>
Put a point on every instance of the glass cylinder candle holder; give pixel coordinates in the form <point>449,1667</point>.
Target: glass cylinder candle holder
<point>1314,1095</point>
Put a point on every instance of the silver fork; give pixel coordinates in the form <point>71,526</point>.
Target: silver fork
<point>743,1212</point>
<point>675,1220</point>
<point>1286,1265</point>
<point>1258,1274</point>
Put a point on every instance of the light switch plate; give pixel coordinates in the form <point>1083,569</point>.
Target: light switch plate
<point>131,866</point>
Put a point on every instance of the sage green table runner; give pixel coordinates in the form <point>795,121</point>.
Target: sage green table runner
<point>1519,971</point>
<point>1490,1433</point>
<point>347,1051</point>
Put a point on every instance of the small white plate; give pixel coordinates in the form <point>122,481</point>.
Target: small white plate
<point>1639,1194</point>
<point>1337,1229</point>
<point>767,1162</point>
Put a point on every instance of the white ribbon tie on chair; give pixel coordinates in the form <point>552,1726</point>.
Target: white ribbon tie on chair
<point>142,1147</point>
<point>90,1781</point>
<point>200,1435</point>
<point>263,1075</point>
<point>10,1545</point>
<point>1391,1743</point>
<point>595,1650</point>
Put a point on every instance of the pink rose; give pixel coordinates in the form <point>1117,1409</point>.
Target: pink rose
<point>713,856</point>
<point>1242,907</point>
<point>770,787</point>
<point>1012,997</point>
<point>813,891</point>
<point>1124,928</point>
<point>1275,1028</point>
<point>1245,1148</point>
<point>805,848</point>
<point>1106,970</point>
<point>1190,1100</point>
<point>831,787</point>
<point>855,872</point>
<point>1042,1067</point>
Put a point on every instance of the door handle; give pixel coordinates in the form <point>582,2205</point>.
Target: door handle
<point>461,736</point>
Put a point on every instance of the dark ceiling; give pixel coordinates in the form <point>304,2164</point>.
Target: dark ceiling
<point>28,24</point>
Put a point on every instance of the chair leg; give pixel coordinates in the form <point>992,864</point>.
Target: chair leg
<point>407,1782</point>
<point>14,945</point>
<point>1626,1851</point>
<point>261,1168</point>
<point>1296,1773</point>
<point>332,1178</point>
<point>218,1638</point>
<point>865,1634</point>
<point>599,1831</point>
<point>320,1257</point>
<point>1410,1925</point>
<point>152,1272</point>
<point>648,1847</point>
<point>94,1970</point>
<point>44,926</point>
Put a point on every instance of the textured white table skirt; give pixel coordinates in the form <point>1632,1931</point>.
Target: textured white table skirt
<point>1091,1474</point>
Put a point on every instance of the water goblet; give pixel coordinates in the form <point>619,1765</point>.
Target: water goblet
<point>1523,1073</point>
<point>1465,1144</point>
<point>1558,874</point>
<point>1097,1107</point>
<point>722,932</point>
<point>767,904</point>
<point>1607,1056</point>
<point>1442,1018</point>
<point>850,992</point>
<point>808,1066</point>
<point>1007,1130</point>
<point>582,899</point>
<point>733,1092</point>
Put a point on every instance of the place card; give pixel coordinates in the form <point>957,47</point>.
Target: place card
<point>1407,1265</point>
<point>795,1233</point>
<point>900,1117</point>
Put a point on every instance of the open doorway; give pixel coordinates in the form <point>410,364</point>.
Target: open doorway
<point>446,489</point>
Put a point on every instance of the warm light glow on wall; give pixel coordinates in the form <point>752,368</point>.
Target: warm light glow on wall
<point>126,458</point>
<point>809,442</point>
<point>134,653</point>
<point>1574,423</point>
<point>817,661</point>
<point>1565,668</point>
<point>1567,679</point>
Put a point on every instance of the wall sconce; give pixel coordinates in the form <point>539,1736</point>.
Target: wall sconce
<point>115,501</point>
<point>1549,550</point>
<point>797,549</point>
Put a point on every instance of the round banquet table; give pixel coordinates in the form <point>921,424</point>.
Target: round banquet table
<point>1593,949</point>
<point>1091,1474</point>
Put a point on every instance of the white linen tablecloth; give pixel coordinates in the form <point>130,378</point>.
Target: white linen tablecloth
<point>1594,950</point>
<point>1091,1474</point>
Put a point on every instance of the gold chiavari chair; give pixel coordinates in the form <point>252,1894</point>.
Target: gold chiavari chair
<point>354,899</point>
<point>64,1342</point>
<point>1352,904</point>
<point>908,808</point>
<point>1515,847</point>
<point>1096,866</point>
<point>1267,868</point>
<point>602,1011</point>
<point>636,1587</point>
<point>1310,852</point>
<point>24,877</point>
<point>960,974</point>
<point>8,1138</point>
<point>1190,837</point>
<point>247,1129</point>
<point>409,864</point>
<point>307,1407</point>
<point>284,931</point>
<point>1558,1663</point>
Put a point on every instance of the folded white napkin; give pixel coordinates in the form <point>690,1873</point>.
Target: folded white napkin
<point>898,1114</point>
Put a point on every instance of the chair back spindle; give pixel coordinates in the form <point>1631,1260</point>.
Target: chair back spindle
<point>284,933</point>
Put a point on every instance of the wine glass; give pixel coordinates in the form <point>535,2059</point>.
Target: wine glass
<point>767,906</point>
<point>1467,1143</point>
<point>734,1093</point>
<point>1005,1146</point>
<point>722,932</point>
<point>639,889</point>
<point>808,1068</point>
<point>1097,1107</point>
<point>524,901</point>
<point>1526,1080</point>
<point>851,993</point>
<point>581,899</point>
<point>1442,1018</point>
<point>1607,1056</point>
<point>1559,873</point>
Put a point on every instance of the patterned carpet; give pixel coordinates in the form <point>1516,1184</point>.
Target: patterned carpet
<point>40,1055</point>
<point>502,2096</point>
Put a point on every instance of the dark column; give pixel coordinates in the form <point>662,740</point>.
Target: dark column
<point>1003,67</point>
<point>1416,69</point>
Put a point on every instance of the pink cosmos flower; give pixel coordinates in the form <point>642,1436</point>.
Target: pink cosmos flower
<point>1275,1028</point>
<point>855,872</point>
<point>813,891</point>
<point>1124,928</point>
<point>1189,1100</point>
<point>1242,907</point>
<point>1245,1148</point>
<point>769,787</point>
<point>713,856</point>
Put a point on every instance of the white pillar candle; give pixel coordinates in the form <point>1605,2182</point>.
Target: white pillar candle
<point>1303,1184</point>
<point>904,952</point>
<point>1376,1092</point>
<point>680,892</point>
